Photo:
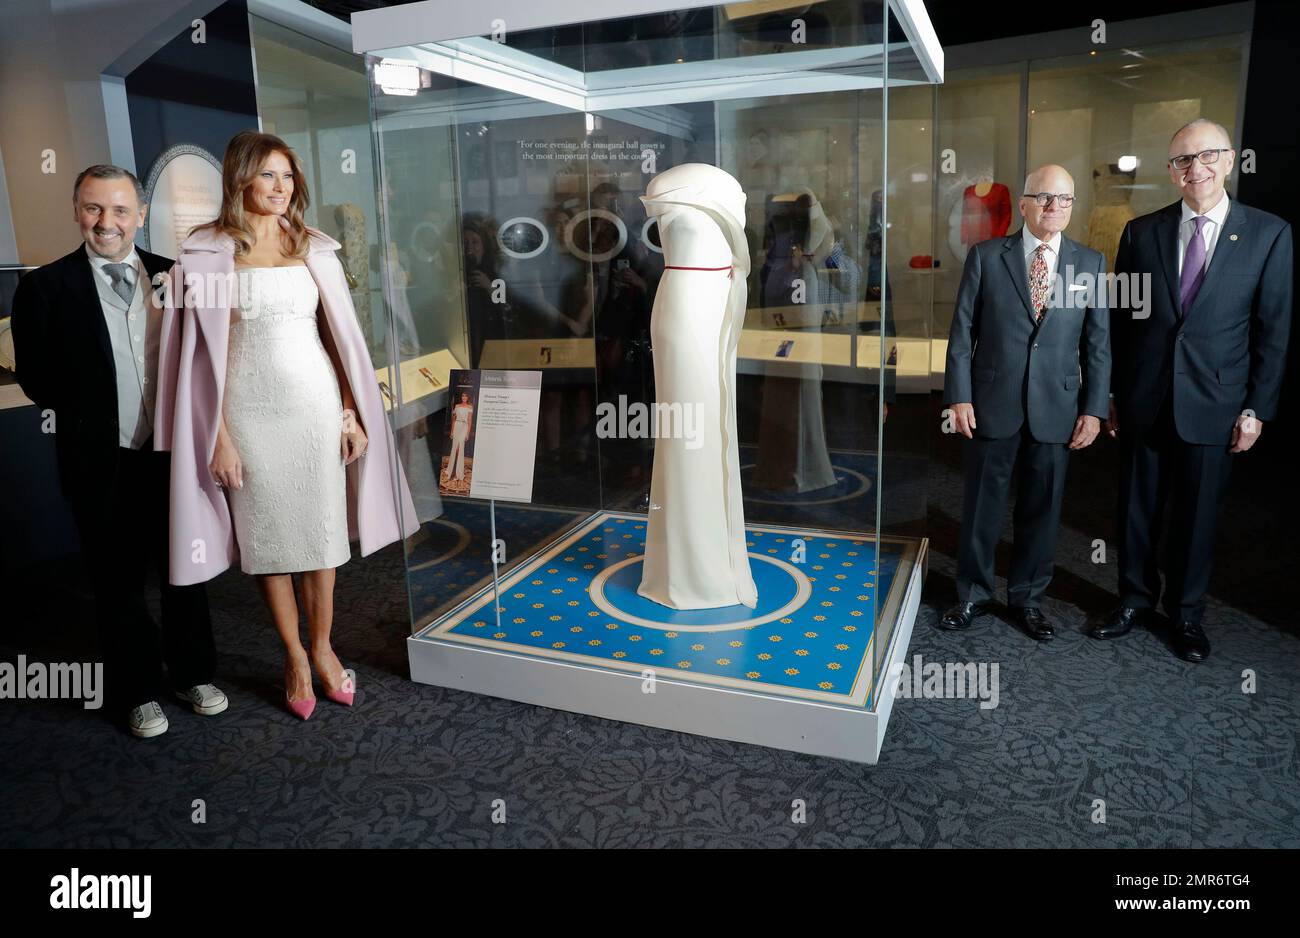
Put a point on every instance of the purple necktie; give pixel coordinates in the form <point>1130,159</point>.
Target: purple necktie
<point>1189,284</point>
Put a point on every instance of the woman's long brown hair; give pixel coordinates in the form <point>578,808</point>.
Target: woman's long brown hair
<point>245,155</point>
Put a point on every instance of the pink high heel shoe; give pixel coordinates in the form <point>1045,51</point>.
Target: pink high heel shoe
<point>347,690</point>
<point>299,708</point>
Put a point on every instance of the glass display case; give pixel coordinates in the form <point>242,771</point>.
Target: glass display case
<point>522,266</point>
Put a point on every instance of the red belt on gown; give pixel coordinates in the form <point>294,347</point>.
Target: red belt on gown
<point>727,268</point>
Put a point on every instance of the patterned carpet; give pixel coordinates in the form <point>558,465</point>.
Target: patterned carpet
<point>1179,755</point>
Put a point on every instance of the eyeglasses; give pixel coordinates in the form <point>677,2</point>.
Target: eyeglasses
<point>1063,199</point>
<point>1205,156</point>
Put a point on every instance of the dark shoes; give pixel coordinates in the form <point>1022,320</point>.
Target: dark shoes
<point>1029,618</point>
<point>1035,624</point>
<point>1189,641</point>
<point>1120,623</point>
<point>961,616</point>
<point>1187,638</point>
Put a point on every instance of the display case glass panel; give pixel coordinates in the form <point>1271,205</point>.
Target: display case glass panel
<point>514,241</point>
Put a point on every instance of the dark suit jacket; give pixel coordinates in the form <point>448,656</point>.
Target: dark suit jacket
<point>1228,353</point>
<point>1013,370</point>
<point>65,364</point>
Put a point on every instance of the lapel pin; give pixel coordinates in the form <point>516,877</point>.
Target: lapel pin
<point>1232,237</point>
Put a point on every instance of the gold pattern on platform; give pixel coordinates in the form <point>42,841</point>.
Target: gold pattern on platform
<point>705,654</point>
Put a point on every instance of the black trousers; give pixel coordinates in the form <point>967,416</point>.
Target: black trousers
<point>1160,472</point>
<point>123,530</point>
<point>988,467</point>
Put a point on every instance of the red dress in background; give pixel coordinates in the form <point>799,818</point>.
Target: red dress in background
<point>985,217</point>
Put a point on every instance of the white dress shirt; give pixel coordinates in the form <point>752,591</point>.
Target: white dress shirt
<point>1209,231</point>
<point>133,335</point>
<point>1030,245</point>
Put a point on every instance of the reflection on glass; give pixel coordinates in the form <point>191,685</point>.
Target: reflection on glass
<point>514,238</point>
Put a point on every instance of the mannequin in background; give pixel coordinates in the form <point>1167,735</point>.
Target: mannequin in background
<point>792,453</point>
<point>1111,210</point>
<point>986,211</point>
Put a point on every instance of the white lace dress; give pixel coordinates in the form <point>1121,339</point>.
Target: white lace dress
<point>285,416</point>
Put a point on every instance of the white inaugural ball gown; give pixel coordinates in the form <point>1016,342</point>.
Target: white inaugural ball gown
<point>284,412</point>
<point>695,551</point>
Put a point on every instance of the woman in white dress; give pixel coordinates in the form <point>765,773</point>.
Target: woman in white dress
<point>462,421</point>
<point>289,422</point>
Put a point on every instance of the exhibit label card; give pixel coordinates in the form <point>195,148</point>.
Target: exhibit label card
<point>491,434</point>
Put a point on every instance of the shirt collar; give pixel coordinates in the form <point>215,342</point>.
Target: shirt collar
<point>99,263</point>
<point>1031,243</point>
<point>1217,214</point>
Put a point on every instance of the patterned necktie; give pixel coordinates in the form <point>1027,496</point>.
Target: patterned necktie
<point>1039,282</point>
<point>122,284</point>
<point>1189,284</point>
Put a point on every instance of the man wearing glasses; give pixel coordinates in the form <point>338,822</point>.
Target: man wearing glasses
<point>1197,376</point>
<point>1027,380</point>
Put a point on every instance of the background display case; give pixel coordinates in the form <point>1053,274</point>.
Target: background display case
<point>510,152</point>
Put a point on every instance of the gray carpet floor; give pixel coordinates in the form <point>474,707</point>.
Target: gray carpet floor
<point>1169,754</point>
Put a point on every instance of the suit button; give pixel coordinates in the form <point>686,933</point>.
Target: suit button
<point>1035,345</point>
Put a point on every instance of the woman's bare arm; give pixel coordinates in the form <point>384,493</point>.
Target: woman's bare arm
<point>331,349</point>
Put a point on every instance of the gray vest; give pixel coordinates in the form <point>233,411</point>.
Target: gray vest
<point>134,334</point>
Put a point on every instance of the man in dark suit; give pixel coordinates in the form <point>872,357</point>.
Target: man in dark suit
<point>1027,380</point>
<point>86,332</point>
<point>1197,375</point>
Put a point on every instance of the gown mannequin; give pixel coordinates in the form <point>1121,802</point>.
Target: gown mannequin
<point>695,552</point>
<point>986,211</point>
<point>792,451</point>
<point>1110,208</point>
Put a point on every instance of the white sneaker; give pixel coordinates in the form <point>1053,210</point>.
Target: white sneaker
<point>206,699</point>
<point>148,720</point>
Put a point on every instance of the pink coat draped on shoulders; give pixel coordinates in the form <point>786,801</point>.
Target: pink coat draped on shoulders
<point>192,375</point>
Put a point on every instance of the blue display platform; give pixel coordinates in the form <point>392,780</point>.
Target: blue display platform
<point>570,631</point>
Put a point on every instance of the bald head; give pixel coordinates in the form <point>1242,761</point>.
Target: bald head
<point>1044,221</point>
<point>1201,126</point>
<point>1201,183</point>
<point>1049,178</point>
